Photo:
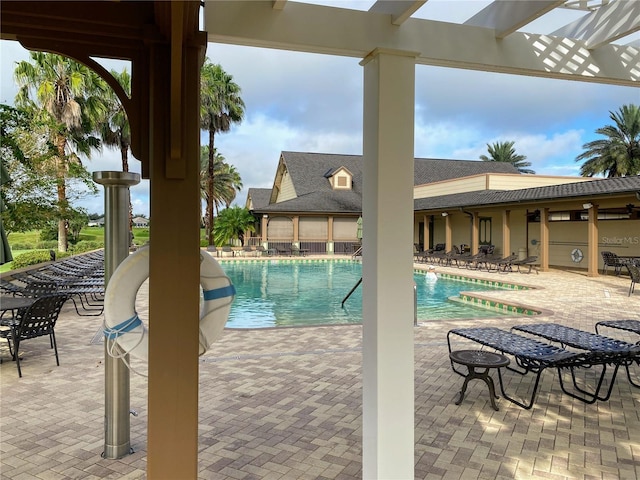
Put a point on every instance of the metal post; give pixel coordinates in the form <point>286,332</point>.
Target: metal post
<point>116,373</point>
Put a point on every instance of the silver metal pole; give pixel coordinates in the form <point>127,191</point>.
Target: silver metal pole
<point>116,248</point>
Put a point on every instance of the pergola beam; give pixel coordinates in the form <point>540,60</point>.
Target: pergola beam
<point>400,10</point>
<point>604,25</point>
<point>507,16</point>
<point>303,27</point>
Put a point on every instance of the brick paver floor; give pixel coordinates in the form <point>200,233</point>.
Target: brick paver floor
<point>286,403</point>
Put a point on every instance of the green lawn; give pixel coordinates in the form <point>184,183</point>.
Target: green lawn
<point>90,234</point>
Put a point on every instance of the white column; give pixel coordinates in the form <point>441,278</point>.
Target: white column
<point>388,363</point>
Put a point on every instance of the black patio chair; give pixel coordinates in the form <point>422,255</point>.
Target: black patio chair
<point>38,320</point>
<point>634,273</point>
<point>610,259</point>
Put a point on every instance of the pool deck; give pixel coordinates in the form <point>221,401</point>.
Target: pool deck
<point>286,403</point>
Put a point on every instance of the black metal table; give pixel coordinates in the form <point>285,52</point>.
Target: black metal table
<point>483,361</point>
<point>11,303</point>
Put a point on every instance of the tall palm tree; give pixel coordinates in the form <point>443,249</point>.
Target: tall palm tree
<point>114,128</point>
<point>220,107</point>
<point>227,181</point>
<point>618,154</point>
<point>504,152</point>
<point>70,94</point>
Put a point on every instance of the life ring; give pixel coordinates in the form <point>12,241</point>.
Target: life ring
<point>124,329</point>
<point>576,255</point>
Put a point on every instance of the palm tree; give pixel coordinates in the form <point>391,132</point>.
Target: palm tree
<point>227,181</point>
<point>618,154</point>
<point>232,223</point>
<point>220,106</point>
<point>504,152</point>
<point>114,128</point>
<point>70,95</point>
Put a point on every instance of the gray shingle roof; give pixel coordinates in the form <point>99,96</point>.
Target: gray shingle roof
<point>314,192</point>
<point>259,197</point>
<point>599,187</point>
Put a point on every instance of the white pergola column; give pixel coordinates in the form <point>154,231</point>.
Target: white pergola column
<point>388,362</point>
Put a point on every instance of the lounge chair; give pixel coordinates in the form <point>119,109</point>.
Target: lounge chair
<point>627,325</point>
<point>285,252</point>
<point>227,249</point>
<point>497,263</point>
<point>247,250</point>
<point>525,262</point>
<point>532,356</point>
<point>605,350</point>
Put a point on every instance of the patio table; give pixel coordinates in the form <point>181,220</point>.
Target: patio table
<point>479,359</point>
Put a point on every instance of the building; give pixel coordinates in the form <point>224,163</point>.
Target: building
<point>316,200</point>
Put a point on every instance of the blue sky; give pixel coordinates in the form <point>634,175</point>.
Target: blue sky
<point>313,103</point>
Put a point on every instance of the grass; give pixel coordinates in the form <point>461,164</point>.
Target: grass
<point>90,234</point>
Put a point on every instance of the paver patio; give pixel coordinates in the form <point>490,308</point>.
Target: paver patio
<point>286,403</point>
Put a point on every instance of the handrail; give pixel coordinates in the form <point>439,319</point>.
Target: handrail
<point>351,291</point>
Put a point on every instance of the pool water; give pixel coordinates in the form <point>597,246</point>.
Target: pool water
<point>275,294</point>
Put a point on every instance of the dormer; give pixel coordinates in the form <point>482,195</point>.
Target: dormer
<point>340,178</point>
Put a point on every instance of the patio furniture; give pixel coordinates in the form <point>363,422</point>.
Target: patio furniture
<point>525,262</point>
<point>531,356</point>
<point>610,259</point>
<point>605,350</point>
<point>627,325</point>
<point>498,264</point>
<point>247,250</point>
<point>260,250</point>
<point>38,320</point>
<point>634,273</point>
<point>483,360</point>
<point>298,252</point>
<point>227,249</point>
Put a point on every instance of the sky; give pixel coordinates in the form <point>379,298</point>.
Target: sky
<point>314,103</point>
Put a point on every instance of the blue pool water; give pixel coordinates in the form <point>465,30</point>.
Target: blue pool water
<point>275,294</point>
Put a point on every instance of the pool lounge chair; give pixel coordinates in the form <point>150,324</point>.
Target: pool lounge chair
<point>605,350</point>
<point>497,263</point>
<point>525,262</point>
<point>626,325</point>
<point>532,356</point>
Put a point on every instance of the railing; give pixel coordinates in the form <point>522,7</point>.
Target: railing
<point>345,248</point>
<point>314,247</point>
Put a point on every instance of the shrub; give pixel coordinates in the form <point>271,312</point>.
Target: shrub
<point>22,246</point>
<point>48,245</point>
<point>86,246</point>
<point>31,258</point>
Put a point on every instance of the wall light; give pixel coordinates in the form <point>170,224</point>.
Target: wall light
<point>445,214</point>
<point>587,206</point>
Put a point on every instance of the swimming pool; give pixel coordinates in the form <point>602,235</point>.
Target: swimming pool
<point>275,294</point>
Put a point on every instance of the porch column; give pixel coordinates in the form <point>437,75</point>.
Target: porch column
<point>296,229</point>
<point>425,231</point>
<point>475,233</point>
<point>592,242</point>
<point>330,228</point>
<point>506,233</point>
<point>447,234</point>
<point>174,257</point>
<point>544,240</point>
<point>264,226</point>
<point>387,344</point>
